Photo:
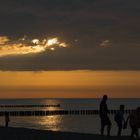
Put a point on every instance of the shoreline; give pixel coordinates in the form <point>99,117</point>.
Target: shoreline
<point>14,133</point>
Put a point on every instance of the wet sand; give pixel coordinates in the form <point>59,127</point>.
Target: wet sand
<point>31,134</point>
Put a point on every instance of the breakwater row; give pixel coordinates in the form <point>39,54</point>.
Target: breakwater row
<point>59,112</point>
<point>28,106</point>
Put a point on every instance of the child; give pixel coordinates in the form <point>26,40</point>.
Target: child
<point>119,118</point>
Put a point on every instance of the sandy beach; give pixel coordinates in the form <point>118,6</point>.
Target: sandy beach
<point>31,134</point>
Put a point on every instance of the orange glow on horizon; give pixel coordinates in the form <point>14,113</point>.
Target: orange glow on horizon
<point>69,84</point>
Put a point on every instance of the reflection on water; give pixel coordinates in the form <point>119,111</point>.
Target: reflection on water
<point>67,123</point>
<point>70,123</point>
<point>51,122</point>
<point>50,102</point>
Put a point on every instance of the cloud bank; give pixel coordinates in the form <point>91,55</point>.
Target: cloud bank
<point>102,34</point>
<point>25,46</point>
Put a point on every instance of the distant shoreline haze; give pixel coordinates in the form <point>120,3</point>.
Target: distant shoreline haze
<point>70,84</point>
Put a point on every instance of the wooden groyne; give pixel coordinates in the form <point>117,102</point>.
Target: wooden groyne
<point>28,106</point>
<point>59,112</point>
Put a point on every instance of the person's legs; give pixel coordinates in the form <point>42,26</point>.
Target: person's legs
<point>108,129</point>
<point>133,131</point>
<point>6,124</point>
<point>119,131</point>
<point>136,132</point>
<point>108,126</point>
<point>105,121</point>
<point>119,124</point>
<point>102,127</point>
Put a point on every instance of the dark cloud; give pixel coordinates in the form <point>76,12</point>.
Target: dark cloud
<point>76,58</point>
<point>91,22</point>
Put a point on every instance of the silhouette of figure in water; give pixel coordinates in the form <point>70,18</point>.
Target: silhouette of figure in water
<point>119,119</point>
<point>105,121</point>
<point>7,119</point>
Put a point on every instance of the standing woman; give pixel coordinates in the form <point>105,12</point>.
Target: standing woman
<point>105,120</point>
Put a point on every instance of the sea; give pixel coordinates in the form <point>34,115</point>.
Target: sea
<point>66,123</point>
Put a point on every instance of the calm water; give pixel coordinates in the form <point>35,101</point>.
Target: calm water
<point>73,123</point>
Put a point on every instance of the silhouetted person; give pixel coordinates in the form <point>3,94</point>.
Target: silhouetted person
<point>7,119</point>
<point>105,121</point>
<point>134,121</point>
<point>119,118</point>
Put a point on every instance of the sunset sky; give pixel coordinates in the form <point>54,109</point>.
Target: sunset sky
<point>70,84</point>
<point>69,48</point>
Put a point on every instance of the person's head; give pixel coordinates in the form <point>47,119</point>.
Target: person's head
<point>105,97</point>
<point>122,107</point>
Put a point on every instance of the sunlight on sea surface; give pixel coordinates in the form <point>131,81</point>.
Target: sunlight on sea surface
<point>51,122</point>
<point>67,123</point>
